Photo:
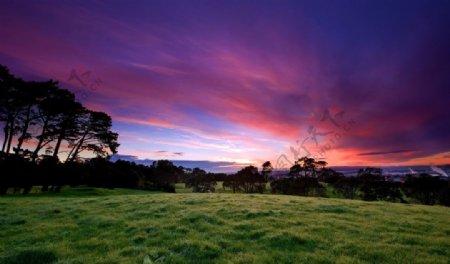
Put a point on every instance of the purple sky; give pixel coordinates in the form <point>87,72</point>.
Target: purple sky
<point>350,82</point>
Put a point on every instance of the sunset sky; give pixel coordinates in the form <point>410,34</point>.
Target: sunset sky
<point>349,82</point>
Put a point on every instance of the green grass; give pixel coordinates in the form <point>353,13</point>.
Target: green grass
<point>181,188</point>
<point>85,225</point>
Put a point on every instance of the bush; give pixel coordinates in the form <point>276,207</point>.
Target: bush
<point>347,187</point>
<point>248,180</point>
<point>200,181</point>
<point>381,191</point>
<point>305,186</point>
<point>426,189</point>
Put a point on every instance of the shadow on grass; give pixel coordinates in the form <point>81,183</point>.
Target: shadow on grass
<point>290,242</point>
<point>81,191</point>
<point>333,209</point>
<point>33,256</point>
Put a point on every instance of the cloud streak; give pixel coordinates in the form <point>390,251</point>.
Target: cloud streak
<point>193,79</point>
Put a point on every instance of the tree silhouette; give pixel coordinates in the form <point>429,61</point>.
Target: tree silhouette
<point>94,134</point>
<point>307,166</point>
<point>10,105</point>
<point>302,179</point>
<point>49,110</point>
<point>201,181</point>
<point>46,116</point>
<point>425,188</point>
<point>31,94</point>
<point>250,180</point>
<point>267,169</point>
<point>165,174</point>
<point>66,127</point>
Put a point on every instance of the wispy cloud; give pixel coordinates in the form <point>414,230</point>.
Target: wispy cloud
<point>158,154</point>
<point>228,81</point>
<point>386,152</point>
<point>160,69</point>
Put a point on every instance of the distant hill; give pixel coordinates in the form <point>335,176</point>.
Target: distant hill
<point>210,166</point>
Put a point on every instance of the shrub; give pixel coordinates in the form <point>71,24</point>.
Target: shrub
<point>305,186</point>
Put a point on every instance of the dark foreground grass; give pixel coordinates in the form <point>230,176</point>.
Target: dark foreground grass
<point>123,226</point>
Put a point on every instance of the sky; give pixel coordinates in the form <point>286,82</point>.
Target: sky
<point>241,82</point>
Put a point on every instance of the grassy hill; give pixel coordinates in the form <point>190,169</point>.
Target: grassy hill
<point>86,225</point>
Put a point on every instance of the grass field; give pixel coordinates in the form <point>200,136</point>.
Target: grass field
<point>86,225</point>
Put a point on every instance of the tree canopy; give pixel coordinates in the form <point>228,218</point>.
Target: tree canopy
<point>40,118</point>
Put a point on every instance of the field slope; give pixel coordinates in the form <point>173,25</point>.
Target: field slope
<point>118,226</point>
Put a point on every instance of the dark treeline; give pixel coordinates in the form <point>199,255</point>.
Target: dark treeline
<point>99,172</point>
<point>308,177</point>
<point>45,131</point>
<point>44,125</point>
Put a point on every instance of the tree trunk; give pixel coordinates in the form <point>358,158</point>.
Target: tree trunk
<point>41,140</point>
<point>6,133</point>
<point>60,139</point>
<point>24,131</point>
<point>70,153</point>
<point>77,148</point>
<point>11,133</point>
<point>58,145</point>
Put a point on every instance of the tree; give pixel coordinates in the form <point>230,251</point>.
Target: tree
<point>43,114</point>
<point>444,197</point>
<point>49,115</point>
<point>266,170</point>
<point>10,105</point>
<point>305,186</point>
<point>165,174</point>
<point>93,134</point>
<point>321,164</point>
<point>247,179</point>
<point>347,187</point>
<point>381,191</point>
<point>32,94</point>
<point>48,166</point>
<point>307,166</point>
<point>67,123</point>
<point>295,170</point>
<point>232,182</point>
<point>201,181</point>
<point>373,186</point>
<point>424,188</point>
<point>302,179</point>
<point>329,175</point>
<point>250,180</point>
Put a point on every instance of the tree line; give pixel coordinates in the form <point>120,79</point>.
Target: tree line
<point>46,131</point>
<point>22,175</point>
<point>309,177</point>
<point>46,134</point>
<point>44,125</point>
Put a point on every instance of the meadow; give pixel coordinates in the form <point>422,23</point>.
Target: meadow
<point>92,225</point>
